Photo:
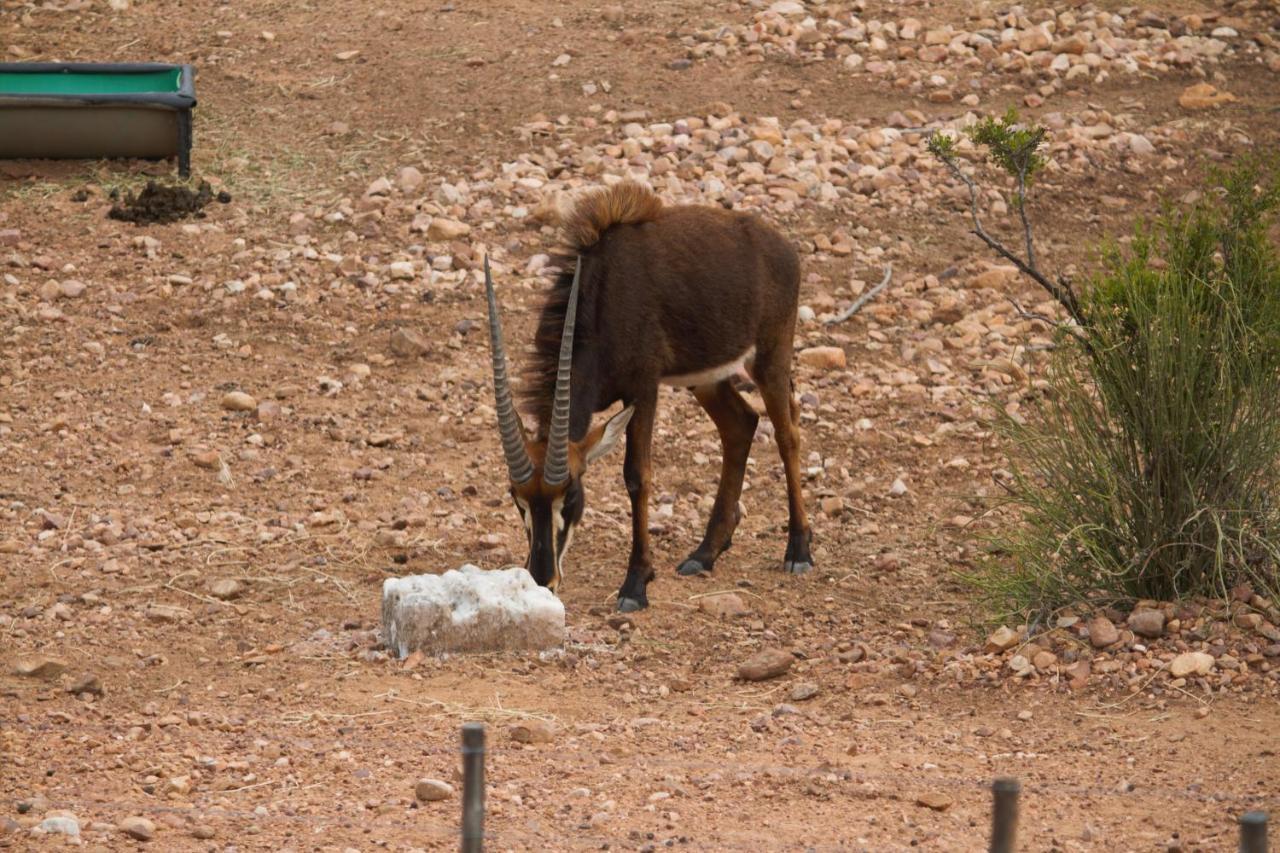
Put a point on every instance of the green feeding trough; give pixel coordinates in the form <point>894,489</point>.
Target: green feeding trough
<point>59,110</point>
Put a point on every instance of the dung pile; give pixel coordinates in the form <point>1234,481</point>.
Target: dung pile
<point>161,203</point>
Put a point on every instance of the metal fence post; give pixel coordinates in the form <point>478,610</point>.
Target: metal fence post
<point>1004,816</point>
<point>472,787</point>
<point>1253,832</point>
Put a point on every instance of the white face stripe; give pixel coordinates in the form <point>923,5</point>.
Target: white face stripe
<point>711,375</point>
<point>558,532</point>
<point>525,515</point>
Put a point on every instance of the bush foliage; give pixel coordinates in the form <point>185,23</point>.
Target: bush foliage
<point>1150,468</point>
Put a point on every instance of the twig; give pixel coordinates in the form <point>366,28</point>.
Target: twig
<point>1060,290</point>
<point>864,298</point>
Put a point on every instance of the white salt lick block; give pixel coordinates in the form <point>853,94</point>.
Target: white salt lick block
<point>470,610</point>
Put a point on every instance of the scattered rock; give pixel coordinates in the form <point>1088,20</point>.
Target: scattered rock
<point>935,800</point>
<point>409,178</point>
<point>208,459</point>
<point>803,691</point>
<point>86,683</point>
<point>470,610</point>
<point>724,605</point>
<point>433,790</point>
<point>532,731</point>
<point>447,229</point>
<point>1203,96</point>
<point>826,358</point>
<point>409,343</point>
<point>1146,622</point>
<point>167,613</point>
<point>238,401</point>
<point>1191,663</point>
<point>767,664</point>
<point>40,667</point>
<point>138,828</point>
<point>60,825</point>
<point>1001,639</point>
<point>1102,632</point>
<point>226,588</point>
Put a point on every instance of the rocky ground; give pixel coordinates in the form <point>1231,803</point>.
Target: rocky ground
<point>220,435</point>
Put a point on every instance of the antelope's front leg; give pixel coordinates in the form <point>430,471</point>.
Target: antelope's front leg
<point>637,472</point>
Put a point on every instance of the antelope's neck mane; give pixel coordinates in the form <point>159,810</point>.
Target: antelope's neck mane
<point>625,203</point>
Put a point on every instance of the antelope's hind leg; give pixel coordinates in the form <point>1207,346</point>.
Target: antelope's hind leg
<point>637,472</point>
<point>736,421</point>
<point>773,376</point>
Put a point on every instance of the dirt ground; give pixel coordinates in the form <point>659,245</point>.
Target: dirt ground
<point>201,573</point>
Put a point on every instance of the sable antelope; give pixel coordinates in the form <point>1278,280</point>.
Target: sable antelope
<point>651,295</point>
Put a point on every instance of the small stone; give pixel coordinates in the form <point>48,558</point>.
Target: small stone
<point>208,459</point>
<point>433,790</point>
<point>1203,96</point>
<point>1146,622</point>
<point>447,229</point>
<point>935,800</point>
<point>409,178</point>
<point>1102,632</point>
<point>238,401</point>
<point>138,828</point>
<point>532,731</point>
<point>767,664</point>
<point>1140,145</point>
<point>898,489</point>
<point>1191,663</point>
<point>72,289</point>
<point>826,358</point>
<point>40,667</point>
<point>724,605</point>
<point>940,639</point>
<point>86,683</point>
<point>804,691</point>
<point>409,343</point>
<point>1044,660</point>
<point>226,589</point>
<point>832,505</point>
<point>203,831</point>
<point>1001,639</point>
<point>61,825</point>
<point>166,613</point>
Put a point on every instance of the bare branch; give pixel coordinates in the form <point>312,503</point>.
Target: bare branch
<point>863,299</point>
<point>1032,315</point>
<point>1061,291</point>
<point>1022,212</point>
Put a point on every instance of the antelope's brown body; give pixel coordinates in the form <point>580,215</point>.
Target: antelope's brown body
<point>657,295</point>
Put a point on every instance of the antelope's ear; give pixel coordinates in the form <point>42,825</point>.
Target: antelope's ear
<point>605,437</point>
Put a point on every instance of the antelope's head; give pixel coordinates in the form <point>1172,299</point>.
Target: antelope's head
<point>546,472</point>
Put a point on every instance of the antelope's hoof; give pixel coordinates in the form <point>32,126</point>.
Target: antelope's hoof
<point>797,567</point>
<point>692,569</point>
<point>626,604</point>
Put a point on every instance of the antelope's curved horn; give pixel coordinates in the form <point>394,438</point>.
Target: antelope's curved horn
<point>509,427</point>
<point>555,470</point>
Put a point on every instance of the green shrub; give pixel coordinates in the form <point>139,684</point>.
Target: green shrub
<point>1150,468</point>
